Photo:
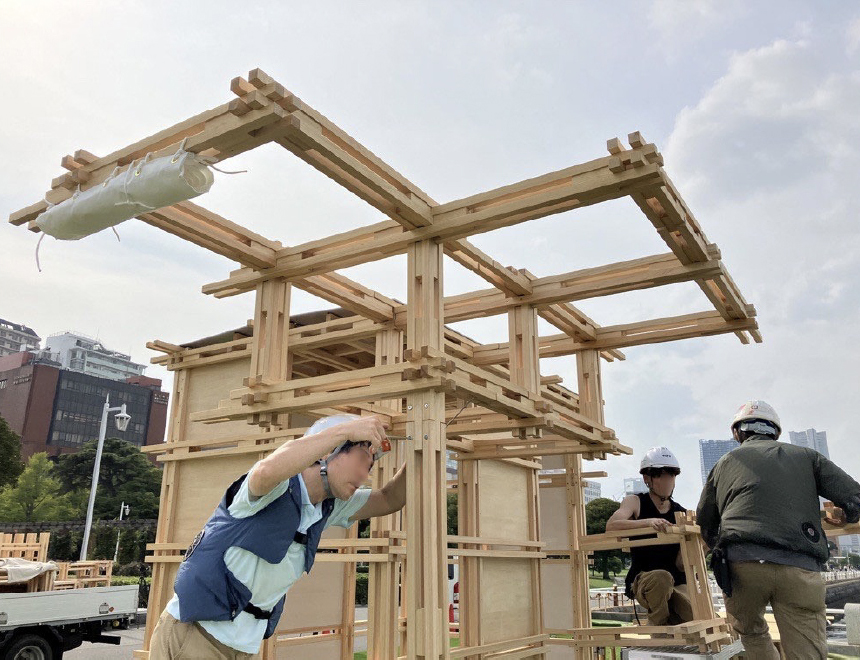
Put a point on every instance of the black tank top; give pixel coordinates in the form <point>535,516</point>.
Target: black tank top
<point>654,557</point>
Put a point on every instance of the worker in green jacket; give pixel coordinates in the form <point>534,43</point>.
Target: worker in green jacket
<point>760,508</point>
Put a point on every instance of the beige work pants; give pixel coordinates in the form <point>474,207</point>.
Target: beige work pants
<point>174,640</point>
<point>667,604</point>
<point>797,598</point>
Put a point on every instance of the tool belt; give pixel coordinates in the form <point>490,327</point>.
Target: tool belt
<point>722,569</point>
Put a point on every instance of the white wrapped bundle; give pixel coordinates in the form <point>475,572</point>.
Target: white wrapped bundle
<point>143,187</point>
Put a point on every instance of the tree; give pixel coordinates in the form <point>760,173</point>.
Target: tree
<point>452,514</point>
<point>126,475</point>
<point>37,496</point>
<point>10,455</point>
<point>597,512</point>
<point>853,560</point>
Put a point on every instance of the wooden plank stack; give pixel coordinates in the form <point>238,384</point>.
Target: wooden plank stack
<point>241,395</point>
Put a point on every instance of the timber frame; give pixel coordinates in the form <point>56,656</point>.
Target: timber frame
<point>239,396</point>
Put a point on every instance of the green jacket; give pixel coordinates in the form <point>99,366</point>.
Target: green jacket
<point>766,493</point>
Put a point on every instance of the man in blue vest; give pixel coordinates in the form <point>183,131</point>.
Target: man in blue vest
<point>655,578</point>
<point>230,588</point>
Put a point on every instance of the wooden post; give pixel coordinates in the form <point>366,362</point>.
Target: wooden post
<point>269,348</point>
<point>383,577</point>
<point>591,406</point>
<point>425,460</point>
<point>161,590</point>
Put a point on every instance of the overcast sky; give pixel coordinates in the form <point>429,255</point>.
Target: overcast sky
<point>753,105</point>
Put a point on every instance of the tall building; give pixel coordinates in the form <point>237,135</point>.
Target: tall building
<point>56,410</point>
<point>710,451</point>
<point>848,544</point>
<point>15,337</point>
<point>811,438</point>
<point>78,352</point>
<point>634,485</point>
<point>590,491</point>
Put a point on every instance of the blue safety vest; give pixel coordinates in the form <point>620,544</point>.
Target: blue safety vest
<point>206,588</point>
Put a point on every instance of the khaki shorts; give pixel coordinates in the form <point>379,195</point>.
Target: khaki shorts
<point>174,640</point>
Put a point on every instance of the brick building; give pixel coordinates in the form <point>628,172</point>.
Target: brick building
<point>57,410</point>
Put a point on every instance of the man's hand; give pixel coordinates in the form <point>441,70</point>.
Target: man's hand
<point>660,524</point>
<point>366,429</point>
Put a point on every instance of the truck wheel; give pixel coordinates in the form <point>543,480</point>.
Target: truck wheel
<point>29,647</point>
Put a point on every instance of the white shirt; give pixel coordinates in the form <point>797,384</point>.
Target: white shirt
<point>268,582</point>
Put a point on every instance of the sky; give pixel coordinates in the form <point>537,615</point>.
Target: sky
<point>753,106</point>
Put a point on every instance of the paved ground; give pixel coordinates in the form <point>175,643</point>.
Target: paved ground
<point>132,639</point>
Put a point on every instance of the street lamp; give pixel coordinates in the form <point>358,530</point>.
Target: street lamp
<point>123,508</point>
<point>122,419</point>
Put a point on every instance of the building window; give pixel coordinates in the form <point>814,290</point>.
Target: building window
<point>3,384</point>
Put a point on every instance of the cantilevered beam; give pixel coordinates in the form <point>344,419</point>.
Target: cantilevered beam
<point>623,276</point>
<point>629,334</point>
<point>574,187</point>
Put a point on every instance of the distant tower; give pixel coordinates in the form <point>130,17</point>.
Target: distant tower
<point>710,451</point>
<point>811,438</point>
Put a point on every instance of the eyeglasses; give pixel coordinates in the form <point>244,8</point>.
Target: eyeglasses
<point>659,472</point>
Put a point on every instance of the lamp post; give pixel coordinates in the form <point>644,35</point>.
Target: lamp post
<point>123,508</point>
<point>122,419</point>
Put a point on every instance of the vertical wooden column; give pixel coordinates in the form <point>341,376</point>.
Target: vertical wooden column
<point>524,364</point>
<point>383,577</point>
<point>590,392</point>
<point>161,590</point>
<point>426,557</point>
<point>270,360</point>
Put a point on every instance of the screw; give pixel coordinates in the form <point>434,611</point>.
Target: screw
<point>408,407</point>
<point>426,437</point>
<point>408,437</point>
<point>426,405</point>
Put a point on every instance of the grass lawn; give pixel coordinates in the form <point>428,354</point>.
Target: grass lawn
<point>599,583</point>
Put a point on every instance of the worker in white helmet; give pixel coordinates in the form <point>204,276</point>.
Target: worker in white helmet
<point>656,578</point>
<point>759,511</point>
<point>231,586</point>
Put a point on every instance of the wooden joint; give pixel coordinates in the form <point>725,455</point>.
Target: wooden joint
<point>636,140</point>
<point>238,107</point>
<point>239,86</point>
<point>259,78</point>
<point>614,146</point>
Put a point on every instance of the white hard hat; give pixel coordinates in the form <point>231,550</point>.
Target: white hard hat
<point>753,410</point>
<point>327,422</point>
<point>659,457</point>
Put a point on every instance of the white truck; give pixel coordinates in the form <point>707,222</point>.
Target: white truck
<point>44,624</point>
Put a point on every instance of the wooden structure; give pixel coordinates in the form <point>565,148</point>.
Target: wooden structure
<point>707,631</point>
<point>238,397</point>
<point>32,547</point>
<point>66,575</point>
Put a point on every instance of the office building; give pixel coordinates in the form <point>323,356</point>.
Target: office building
<point>710,451</point>
<point>15,337</point>
<point>57,410</point>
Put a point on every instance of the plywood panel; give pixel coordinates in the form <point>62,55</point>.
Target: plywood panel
<point>503,510</point>
<point>317,598</point>
<point>557,597</point>
<point>200,486</point>
<point>553,518</point>
<point>206,387</point>
<point>506,597</point>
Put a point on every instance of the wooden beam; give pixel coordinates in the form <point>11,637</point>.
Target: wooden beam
<point>574,187</point>
<point>624,276</point>
<point>674,328</point>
